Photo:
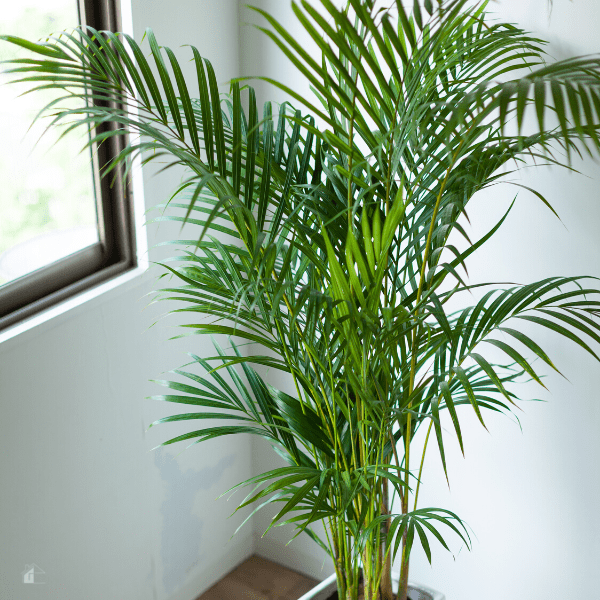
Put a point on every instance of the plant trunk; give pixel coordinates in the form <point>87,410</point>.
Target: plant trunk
<point>387,592</point>
<point>348,578</point>
<point>403,585</point>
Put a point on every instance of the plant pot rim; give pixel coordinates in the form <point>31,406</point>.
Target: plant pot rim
<point>327,586</point>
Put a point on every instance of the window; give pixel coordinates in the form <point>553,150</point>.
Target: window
<point>63,229</point>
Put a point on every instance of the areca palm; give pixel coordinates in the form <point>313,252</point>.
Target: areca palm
<point>327,240</point>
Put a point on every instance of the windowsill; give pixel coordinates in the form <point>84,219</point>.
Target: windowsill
<point>72,307</point>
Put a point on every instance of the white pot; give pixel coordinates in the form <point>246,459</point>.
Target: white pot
<point>416,590</point>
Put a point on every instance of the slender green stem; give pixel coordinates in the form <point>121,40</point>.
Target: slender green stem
<point>421,466</point>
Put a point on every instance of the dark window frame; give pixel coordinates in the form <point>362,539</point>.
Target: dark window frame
<point>115,252</point>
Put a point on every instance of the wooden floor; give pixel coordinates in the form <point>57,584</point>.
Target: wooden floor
<point>260,579</point>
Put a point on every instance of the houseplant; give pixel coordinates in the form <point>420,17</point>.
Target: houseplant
<point>327,237</point>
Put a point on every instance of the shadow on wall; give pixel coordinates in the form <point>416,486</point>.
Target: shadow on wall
<point>181,536</point>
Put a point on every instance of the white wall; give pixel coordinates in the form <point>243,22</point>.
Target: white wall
<point>82,496</point>
<point>530,497</point>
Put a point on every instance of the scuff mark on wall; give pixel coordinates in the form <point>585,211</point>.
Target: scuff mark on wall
<point>181,535</point>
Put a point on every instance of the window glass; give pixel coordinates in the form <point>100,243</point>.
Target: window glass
<point>47,194</point>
